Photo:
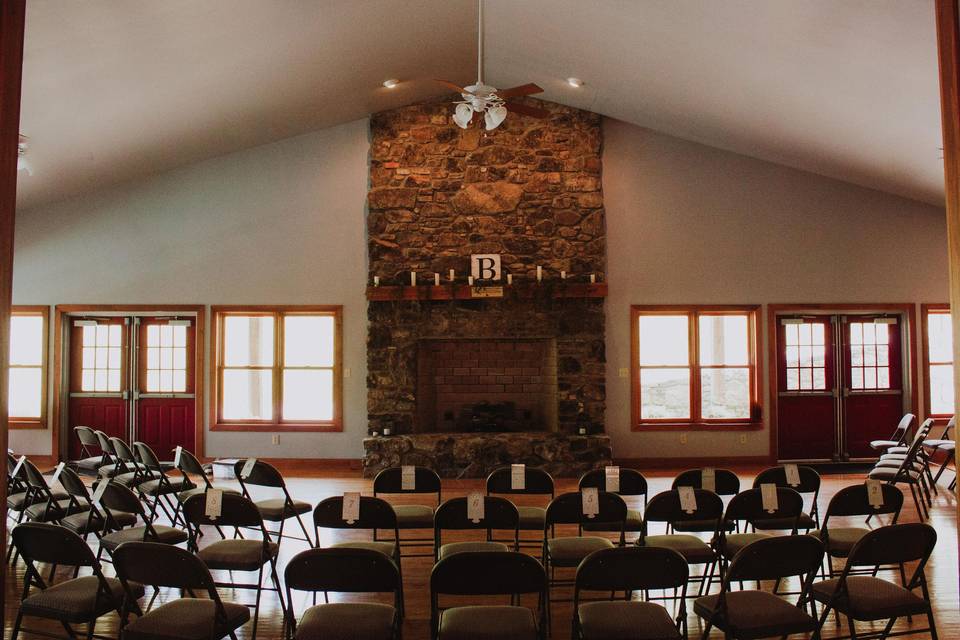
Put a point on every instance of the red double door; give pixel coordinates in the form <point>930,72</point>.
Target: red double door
<point>133,377</point>
<point>839,384</point>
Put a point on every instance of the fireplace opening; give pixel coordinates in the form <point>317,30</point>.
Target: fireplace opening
<point>486,385</point>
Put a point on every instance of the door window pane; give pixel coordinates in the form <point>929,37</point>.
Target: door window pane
<point>806,354</point>
<point>664,340</point>
<point>247,394</point>
<point>308,394</point>
<point>308,341</point>
<point>724,340</point>
<point>725,393</point>
<point>248,341</point>
<point>869,355</point>
<point>665,393</point>
<point>101,358</point>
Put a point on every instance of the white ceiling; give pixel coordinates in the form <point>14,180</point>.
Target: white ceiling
<point>117,90</point>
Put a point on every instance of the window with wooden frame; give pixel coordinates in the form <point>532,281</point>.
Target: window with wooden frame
<point>27,405</point>
<point>938,360</point>
<point>277,368</point>
<point>695,367</point>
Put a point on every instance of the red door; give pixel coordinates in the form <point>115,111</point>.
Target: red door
<point>99,366</point>
<point>165,384</point>
<point>873,382</point>
<point>806,383</point>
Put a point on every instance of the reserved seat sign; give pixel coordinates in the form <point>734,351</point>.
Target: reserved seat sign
<point>475,507</point>
<point>611,476</point>
<point>518,477</point>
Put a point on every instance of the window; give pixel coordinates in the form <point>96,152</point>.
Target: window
<point>806,356</point>
<point>101,363</point>
<point>938,352</point>
<point>694,366</point>
<point>869,355</point>
<point>166,358</point>
<point>276,368</point>
<point>28,349</point>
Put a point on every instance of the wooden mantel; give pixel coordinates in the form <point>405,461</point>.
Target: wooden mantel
<point>468,292</point>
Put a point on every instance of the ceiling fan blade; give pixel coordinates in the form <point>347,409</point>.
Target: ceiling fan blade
<point>523,109</point>
<point>523,90</point>
<point>451,85</point>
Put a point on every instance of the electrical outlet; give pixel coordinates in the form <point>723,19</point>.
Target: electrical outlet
<point>743,438</point>
<point>683,438</point>
<point>346,372</point>
<point>624,372</point>
<point>276,438</point>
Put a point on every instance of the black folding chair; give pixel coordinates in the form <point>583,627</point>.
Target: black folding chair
<point>499,514</point>
<point>90,460</point>
<point>410,516</point>
<point>537,484</point>
<point>899,435</point>
<point>725,484</point>
<point>809,484</point>
<point>118,498</point>
<point>632,485</point>
<point>162,488</point>
<point>274,509</point>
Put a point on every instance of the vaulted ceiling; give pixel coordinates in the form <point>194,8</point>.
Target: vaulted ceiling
<point>118,90</point>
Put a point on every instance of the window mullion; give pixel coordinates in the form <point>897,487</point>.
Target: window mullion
<point>694,357</point>
<point>278,366</point>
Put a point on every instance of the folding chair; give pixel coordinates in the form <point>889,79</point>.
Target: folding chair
<point>809,484</point>
<point>188,465</point>
<point>629,569</point>
<point>89,462</point>
<point>375,514</point>
<point>632,485</point>
<point>112,467</point>
<point>895,455</point>
<point>128,470</point>
<point>752,613</point>
<point>410,516</point>
<point>74,601</point>
<point>344,570</point>
<point>238,554</point>
<point>943,444</point>
<point>84,518</point>
<point>162,486</point>
<point>504,573</point>
<point>666,508</point>
<point>726,484</point>
<point>868,598</point>
<point>899,435</point>
<point>162,565</point>
<point>48,505</point>
<point>118,498</point>
<point>567,552</point>
<point>907,472</point>
<point>453,515</point>
<point>537,483</point>
<point>274,509</point>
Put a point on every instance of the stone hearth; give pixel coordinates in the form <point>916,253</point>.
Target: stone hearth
<point>462,455</point>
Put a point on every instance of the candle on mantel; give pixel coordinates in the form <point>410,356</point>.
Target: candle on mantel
<point>436,279</point>
<point>470,280</point>
<point>453,275</point>
<point>563,275</point>
<point>376,281</point>
<point>593,278</point>
<point>509,278</point>
<point>539,273</point>
<point>413,278</point>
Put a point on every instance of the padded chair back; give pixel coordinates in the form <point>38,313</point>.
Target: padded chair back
<point>391,481</point>
<point>103,441</point>
<point>72,483</point>
<point>809,479</point>
<point>913,451</point>
<point>855,501</point>
<point>190,464</point>
<point>124,453</point>
<point>632,569</point>
<point>899,434</point>
<point>343,570</point>
<point>726,481</point>
<point>87,439</point>
<point>161,565</point>
<point>536,482</point>
<point>894,544</point>
<point>632,482</point>
<point>488,573</point>
<point>235,511</point>
<point>117,497</point>
<point>498,513</point>
<point>777,557</point>
<point>747,506</point>
<point>262,474</point>
<point>147,456</point>
<point>665,507</point>
<point>375,513</point>
<point>52,544</point>
<point>567,508</point>
<point>34,478</point>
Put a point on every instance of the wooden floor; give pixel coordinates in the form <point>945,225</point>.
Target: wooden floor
<point>942,571</point>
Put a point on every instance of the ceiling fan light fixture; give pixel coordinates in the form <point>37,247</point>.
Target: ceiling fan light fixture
<point>462,115</point>
<point>494,116</point>
<point>576,83</point>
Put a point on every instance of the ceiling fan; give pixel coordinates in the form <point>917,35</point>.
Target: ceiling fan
<point>490,101</point>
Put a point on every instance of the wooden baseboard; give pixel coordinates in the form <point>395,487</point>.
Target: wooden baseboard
<point>693,463</point>
<point>297,465</point>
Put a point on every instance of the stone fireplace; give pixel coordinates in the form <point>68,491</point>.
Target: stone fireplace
<point>464,381</point>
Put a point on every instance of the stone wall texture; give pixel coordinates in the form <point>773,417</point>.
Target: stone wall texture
<point>529,191</point>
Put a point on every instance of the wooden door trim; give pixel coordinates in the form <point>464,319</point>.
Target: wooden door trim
<point>62,311</point>
<point>909,309</point>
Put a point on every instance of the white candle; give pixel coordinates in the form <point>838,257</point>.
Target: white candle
<point>539,273</point>
<point>413,278</point>
<point>593,278</point>
<point>470,280</point>
<point>509,278</point>
<point>436,279</point>
<point>563,275</point>
<point>453,275</point>
<point>376,281</point>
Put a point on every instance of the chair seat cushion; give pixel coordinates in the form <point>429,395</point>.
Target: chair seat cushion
<point>755,614</point>
<point>568,552</point>
<point>91,464</point>
<point>238,555</point>
<point>870,598</point>
<point>186,619</point>
<point>733,542</point>
<point>840,540</point>
<point>414,516</point>
<point>693,549</point>
<point>76,600</point>
<point>883,444</point>
<point>489,622</point>
<point>532,518</point>
<point>634,522</point>
<point>347,621</point>
<point>167,535</point>
<point>619,620</point>
<point>701,526</point>
<point>19,501</point>
<point>388,549</point>
<point>277,509</point>
<point>470,547</point>
<point>39,511</point>
<point>803,523</point>
<point>131,479</point>
<point>162,486</point>
<point>936,442</point>
<point>81,523</point>
<point>889,473</point>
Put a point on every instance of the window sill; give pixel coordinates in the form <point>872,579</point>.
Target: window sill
<point>699,426</point>
<point>26,423</point>
<point>273,427</point>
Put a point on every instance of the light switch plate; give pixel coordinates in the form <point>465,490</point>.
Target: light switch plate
<point>346,372</point>
<point>276,438</point>
<point>624,372</point>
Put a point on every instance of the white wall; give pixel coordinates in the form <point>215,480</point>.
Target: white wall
<point>284,224</point>
<point>690,224</point>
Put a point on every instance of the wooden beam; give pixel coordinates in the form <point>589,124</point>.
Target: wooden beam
<point>12,13</point>
<point>948,45</point>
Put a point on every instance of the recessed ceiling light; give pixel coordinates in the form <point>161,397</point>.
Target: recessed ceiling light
<point>575,82</point>
<point>391,83</point>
